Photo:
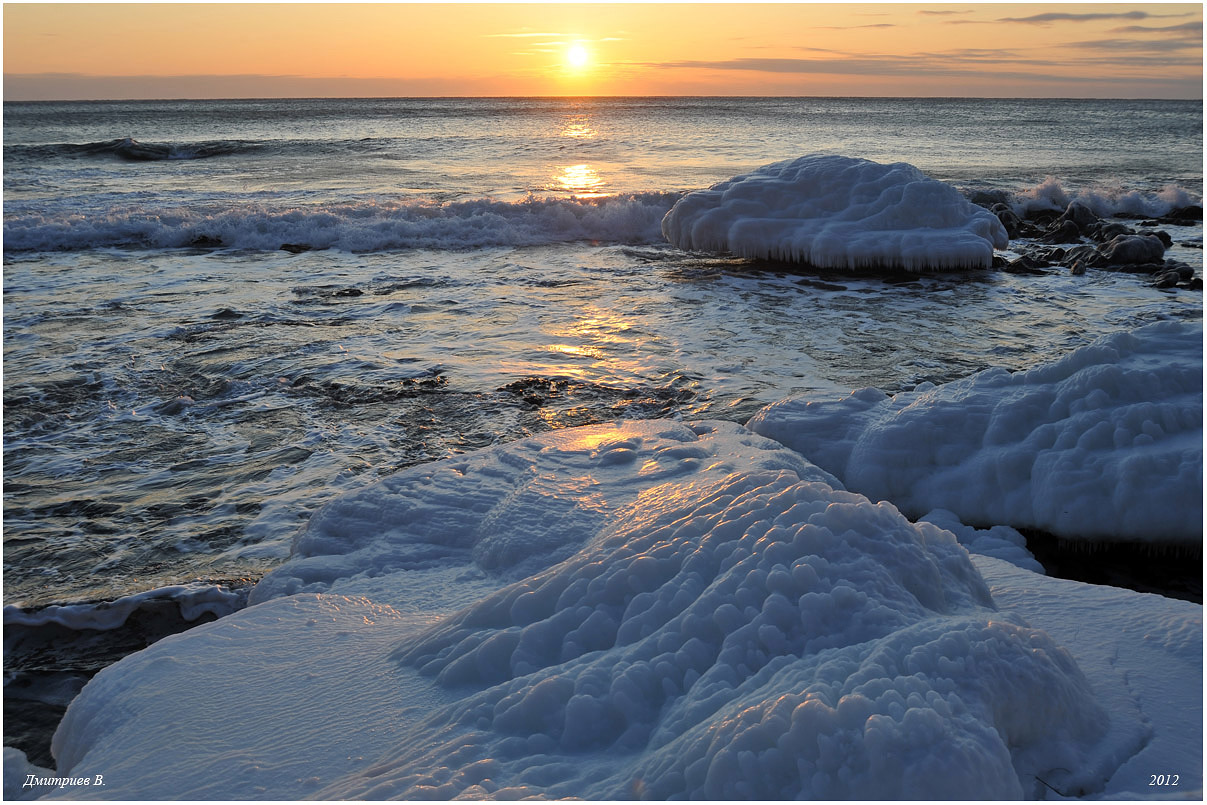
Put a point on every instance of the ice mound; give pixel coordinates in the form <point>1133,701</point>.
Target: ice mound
<point>1105,443</point>
<point>649,609</point>
<point>838,212</point>
<point>766,639</point>
<point>518,508</point>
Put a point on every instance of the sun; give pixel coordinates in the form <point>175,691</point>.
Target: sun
<point>577,56</point>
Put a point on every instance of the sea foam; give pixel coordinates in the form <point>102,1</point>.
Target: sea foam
<point>355,226</point>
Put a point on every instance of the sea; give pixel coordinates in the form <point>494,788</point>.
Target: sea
<point>219,315</point>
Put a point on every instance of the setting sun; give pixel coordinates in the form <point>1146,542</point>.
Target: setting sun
<point>577,56</point>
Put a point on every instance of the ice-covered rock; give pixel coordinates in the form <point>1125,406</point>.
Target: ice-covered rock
<point>512,510</point>
<point>1105,443</point>
<point>837,212</point>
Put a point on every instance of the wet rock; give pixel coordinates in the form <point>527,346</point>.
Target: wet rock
<point>1079,213</point>
<point>1164,237</point>
<point>205,242</point>
<point>349,292</point>
<point>1012,223</point>
<point>1131,250</point>
<point>1062,232</point>
<point>1027,265</point>
<point>1082,254</point>
<point>1192,213</point>
<point>295,248</point>
<point>226,314</point>
<point>1105,231</point>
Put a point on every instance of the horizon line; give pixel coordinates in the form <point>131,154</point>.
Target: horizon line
<point>603,97</point>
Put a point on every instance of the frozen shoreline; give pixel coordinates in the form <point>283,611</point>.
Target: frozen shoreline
<point>452,586</point>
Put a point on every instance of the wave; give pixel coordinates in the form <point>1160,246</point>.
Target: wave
<point>130,149</point>
<point>354,226</point>
<point>373,225</point>
<point>1105,200</point>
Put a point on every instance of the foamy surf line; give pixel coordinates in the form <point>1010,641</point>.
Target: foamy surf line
<point>374,225</point>
<point>354,227</point>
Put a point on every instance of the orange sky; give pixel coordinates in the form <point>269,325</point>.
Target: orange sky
<point>244,50</point>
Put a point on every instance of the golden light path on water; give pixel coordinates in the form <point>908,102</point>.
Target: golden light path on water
<point>581,180</point>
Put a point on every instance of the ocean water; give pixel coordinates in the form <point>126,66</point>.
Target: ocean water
<point>181,393</point>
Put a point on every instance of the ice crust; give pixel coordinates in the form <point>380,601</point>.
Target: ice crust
<point>514,509</point>
<point>649,609</point>
<point>1105,443</point>
<point>837,212</point>
<point>193,600</point>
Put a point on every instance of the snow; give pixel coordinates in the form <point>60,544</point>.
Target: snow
<point>665,610</point>
<point>1143,654</point>
<point>1104,444</point>
<point>837,212</point>
<point>515,509</point>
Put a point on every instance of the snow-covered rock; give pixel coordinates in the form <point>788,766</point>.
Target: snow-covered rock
<point>1105,443</point>
<point>649,609</point>
<point>837,212</point>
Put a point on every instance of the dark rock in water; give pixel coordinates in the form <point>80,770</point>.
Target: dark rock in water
<point>1077,268</point>
<point>349,292</point>
<point>1087,254</point>
<point>1062,232</point>
<point>1012,223</point>
<point>205,242</point>
<point>1192,213</point>
<point>1079,213</point>
<point>1195,284</point>
<point>1164,237</point>
<point>1027,265</point>
<point>1104,231</point>
<point>295,248</point>
<point>988,198</point>
<point>226,314</point>
<point>1166,279</point>
<point>1133,250</point>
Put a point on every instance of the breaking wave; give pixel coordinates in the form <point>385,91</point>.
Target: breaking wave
<point>354,226</point>
<point>130,149</point>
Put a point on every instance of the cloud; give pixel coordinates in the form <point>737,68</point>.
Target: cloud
<point>986,67</point>
<point>1186,27</point>
<point>1060,16</point>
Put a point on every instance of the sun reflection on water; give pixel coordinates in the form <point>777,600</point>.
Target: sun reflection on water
<point>580,180</point>
<point>600,346</point>
<point>578,126</point>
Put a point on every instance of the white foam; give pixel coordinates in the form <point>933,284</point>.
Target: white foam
<point>1105,443</point>
<point>837,212</point>
<point>362,226</point>
<point>1105,200</point>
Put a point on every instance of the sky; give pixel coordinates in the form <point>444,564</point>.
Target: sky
<point>63,51</point>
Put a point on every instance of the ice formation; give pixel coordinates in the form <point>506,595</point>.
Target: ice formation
<point>837,212</point>
<point>651,609</point>
<point>1105,443</point>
